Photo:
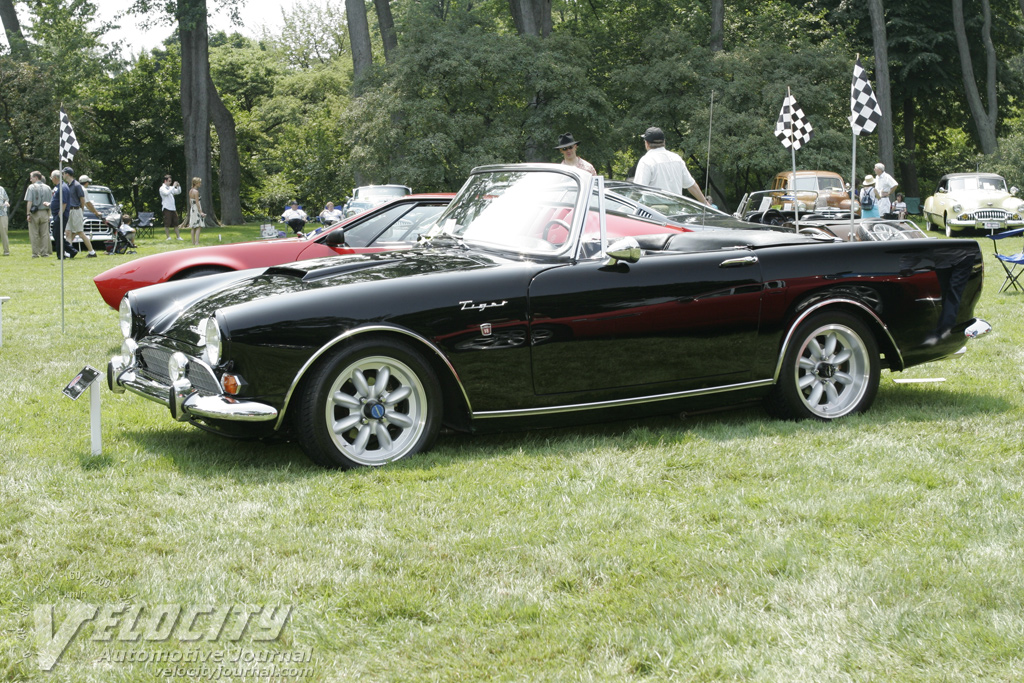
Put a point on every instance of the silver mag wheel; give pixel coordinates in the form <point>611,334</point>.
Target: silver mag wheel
<point>370,404</point>
<point>831,369</point>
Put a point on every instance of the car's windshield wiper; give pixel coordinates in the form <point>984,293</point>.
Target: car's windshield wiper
<point>445,240</point>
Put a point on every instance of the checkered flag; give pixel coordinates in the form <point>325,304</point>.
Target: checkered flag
<point>864,110</point>
<point>68,141</point>
<point>792,129</point>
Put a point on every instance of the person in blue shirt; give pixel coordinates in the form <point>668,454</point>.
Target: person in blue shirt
<point>59,221</point>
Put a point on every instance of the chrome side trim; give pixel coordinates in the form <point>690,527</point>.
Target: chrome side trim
<point>821,304</point>
<point>364,330</point>
<point>573,407</point>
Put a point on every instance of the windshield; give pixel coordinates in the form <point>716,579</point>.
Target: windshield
<point>992,183</point>
<point>380,192</point>
<point>514,210</point>
<point>98,197</point>
<point>666,203</point>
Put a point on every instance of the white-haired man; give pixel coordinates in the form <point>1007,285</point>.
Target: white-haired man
<point>884,185</point>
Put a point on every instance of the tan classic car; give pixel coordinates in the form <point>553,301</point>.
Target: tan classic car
<point>815,191</point>
<point>973,200</point>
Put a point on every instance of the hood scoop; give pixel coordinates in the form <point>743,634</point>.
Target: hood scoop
<point>312,271</point>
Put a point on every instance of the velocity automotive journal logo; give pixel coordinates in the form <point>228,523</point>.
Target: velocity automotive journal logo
<point>140,624</point>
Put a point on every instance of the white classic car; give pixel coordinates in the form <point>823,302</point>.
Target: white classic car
<point>973,200</point>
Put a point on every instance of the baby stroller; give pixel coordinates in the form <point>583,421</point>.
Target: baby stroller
<point>124,236</point>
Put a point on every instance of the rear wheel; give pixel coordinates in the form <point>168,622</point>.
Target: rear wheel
<point>831,369</point>
<point>372,403</point>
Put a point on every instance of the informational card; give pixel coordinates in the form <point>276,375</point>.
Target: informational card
<point>81,382</point>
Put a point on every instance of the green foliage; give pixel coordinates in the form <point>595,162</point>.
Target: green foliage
<point>140,113</point>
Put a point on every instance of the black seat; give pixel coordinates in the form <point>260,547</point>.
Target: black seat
<point>144,224</point>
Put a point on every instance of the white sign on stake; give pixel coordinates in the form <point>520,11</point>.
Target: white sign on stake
<point>86,379</point>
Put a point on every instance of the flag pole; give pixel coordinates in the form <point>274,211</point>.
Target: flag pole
<point>792,153</point>
<point>853,167</point>
<point>60,222</point>
<point>707,166</point>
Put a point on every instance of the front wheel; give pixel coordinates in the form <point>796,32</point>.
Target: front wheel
<point>372,403</point>
<point>831,369</point>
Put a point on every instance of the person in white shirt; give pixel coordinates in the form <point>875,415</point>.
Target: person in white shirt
<point>167,192</point>
<point>295,217</point>
<point>330,215</point>
<point>884,185</point>
<point>663,169</point>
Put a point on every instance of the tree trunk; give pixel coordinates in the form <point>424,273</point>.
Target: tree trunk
<point>908,166</point>
<point>531,17</point>
<point>12,27</point>
<point>359,38</point>
<point>985,119</point>
<point>882,90</point>
<point>387,29</point>
<point>230,169</point>
<point>718,25</point>
<point>195,103</point>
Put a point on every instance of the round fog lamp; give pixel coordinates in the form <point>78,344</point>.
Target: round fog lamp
<point>128,350</point>
<point>177,365</point>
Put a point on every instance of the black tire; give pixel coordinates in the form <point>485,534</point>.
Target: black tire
<point>831,369</point>
<point>201,271</point>
<point>340,421</point>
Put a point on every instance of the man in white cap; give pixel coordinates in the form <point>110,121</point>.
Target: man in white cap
<point>664,169</point>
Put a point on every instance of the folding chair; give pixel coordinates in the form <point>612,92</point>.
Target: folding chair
<point>1013,264</point>
<point>145,224</point>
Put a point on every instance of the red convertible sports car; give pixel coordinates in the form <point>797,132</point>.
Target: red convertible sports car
<point>391,226</point>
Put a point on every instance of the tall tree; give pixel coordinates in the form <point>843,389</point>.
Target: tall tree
<point>195,95</point>
<point>388,37</point>
<point>531,17</point>
<point>883,90</point>
<point>359,38</point>
<point>718,25</point>
<point>985,114</point>
<point>12,27</point>
<point>230,176</point>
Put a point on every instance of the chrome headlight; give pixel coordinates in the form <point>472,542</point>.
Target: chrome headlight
<point>957,208</point>
<point>211,332</point>
<point>124,314</point>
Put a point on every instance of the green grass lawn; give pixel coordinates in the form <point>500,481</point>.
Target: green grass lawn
<point>886,547</point>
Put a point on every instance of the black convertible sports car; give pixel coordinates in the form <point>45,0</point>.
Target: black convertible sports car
<point>532,301</point>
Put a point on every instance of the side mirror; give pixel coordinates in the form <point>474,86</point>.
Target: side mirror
<point>335,238</point>
<point>626,249</point>
<point>941,190</point>
<point>1013,190</point>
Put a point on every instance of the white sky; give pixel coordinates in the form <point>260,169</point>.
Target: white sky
<point>134,39</point>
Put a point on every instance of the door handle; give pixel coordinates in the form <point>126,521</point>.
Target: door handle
<point>738,262</point>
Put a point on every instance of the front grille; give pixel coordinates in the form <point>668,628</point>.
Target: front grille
<point>991,214</point>
<point>154,360</point>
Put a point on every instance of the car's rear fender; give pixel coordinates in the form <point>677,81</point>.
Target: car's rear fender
<point>886,344</point>
<point>456,401</point>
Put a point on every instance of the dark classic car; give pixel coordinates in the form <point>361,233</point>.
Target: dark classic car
<point>531,303</point>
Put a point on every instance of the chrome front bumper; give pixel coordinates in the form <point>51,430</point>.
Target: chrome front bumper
<point>182,399</point>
